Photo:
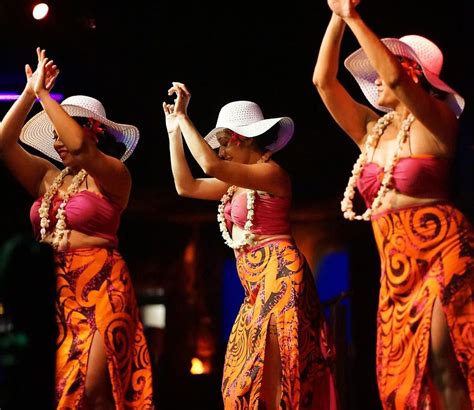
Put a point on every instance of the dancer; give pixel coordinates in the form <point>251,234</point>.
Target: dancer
<point>102,359</point>
<point>278,354</point>
<point>425,343</point>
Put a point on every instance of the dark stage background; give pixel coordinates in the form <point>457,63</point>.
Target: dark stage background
<point>126,54</point>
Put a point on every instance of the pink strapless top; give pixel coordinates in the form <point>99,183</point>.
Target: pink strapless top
<point>271,214</point>
<point>86,212</point>
<point>417,176</point>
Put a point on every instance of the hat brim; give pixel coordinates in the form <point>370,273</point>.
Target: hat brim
<point>38,131</point>
<point>359,66</point>
<point>284,134</point>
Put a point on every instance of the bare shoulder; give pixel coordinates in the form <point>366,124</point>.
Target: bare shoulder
<point>51,173</point>
<point>441,142</point>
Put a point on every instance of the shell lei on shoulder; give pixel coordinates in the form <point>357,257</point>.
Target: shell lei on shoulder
<point>249,237</point>
<point>371,141</point>
<point>44,209</point>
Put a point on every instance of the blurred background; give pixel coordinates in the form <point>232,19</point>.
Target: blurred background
<point>126,54</point>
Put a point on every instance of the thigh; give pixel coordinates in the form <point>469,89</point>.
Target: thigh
<point>97,376</point>
<point>444,366</point>
<point>271,380</point>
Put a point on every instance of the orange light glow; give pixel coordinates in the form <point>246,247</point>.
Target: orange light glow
<point>197,366</point>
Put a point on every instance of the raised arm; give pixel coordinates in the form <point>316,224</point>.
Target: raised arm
<point>261,176</point>
<point>435,115</point>
<point>351,116</point>
<point>28,169</point>
<point>186,185</point>
<point>110,174</point>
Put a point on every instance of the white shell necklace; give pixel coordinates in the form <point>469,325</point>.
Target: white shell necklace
<point>248,237</point>
<point>371,141</point>
<point>60,228</point>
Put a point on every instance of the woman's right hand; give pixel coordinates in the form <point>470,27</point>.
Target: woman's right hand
<point>51,72</point>
<point>172,121</point>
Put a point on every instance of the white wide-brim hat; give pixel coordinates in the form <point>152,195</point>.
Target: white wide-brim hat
<point>417,48</point>
<point>246,118</point>
<point>38,131</point>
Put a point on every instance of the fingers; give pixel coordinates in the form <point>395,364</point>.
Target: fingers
<point>179,89</point>
<point>168,108</point>
<point>184,88</point>
<point>28,71</point>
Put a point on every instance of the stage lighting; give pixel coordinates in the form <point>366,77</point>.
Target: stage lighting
<point>40,11</point>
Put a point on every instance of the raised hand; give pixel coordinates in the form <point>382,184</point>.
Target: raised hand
<point>343,8</point>
<point>46,68</point>
<point>182,98</point>
<point>172,121</point>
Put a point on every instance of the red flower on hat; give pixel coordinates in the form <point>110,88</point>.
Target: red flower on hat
<point>412,68</point>
<point>95,126</point>
<point>235,138</point>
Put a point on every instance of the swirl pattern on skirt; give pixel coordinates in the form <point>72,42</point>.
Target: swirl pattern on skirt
<point>278,281</point>
<point>95,294</point>
<point>427,253</point>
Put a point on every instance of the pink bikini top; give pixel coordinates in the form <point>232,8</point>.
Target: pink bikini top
<point>422,176</point>
<point>86,212</point>
<point>271,214</point>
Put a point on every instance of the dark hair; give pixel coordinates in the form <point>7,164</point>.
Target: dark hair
<point>108,144</point>
<point>425,84</point>
<point>262,141</point>
<point>435,92</point>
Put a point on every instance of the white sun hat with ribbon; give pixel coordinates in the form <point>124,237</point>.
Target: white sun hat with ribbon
<point>246,118</point>
<point>417,48</point>
<point>38,131</point>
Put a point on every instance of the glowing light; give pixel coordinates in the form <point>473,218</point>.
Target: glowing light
<point>40,11</point>
<point>197,366</point>
<point>5,96</point>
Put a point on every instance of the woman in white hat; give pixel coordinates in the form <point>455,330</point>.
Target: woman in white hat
<point>102,358</point>
<point>278,354</point>
<point>425,322</point>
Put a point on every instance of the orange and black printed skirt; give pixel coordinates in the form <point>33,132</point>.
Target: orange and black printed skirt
<point>277,281</point>
<point>95,297</point>
<point>427,253</point>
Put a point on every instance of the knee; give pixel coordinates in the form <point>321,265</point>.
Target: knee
<point>444,369</point>
<point>98,396</point>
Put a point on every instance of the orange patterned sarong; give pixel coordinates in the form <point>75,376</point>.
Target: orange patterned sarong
<point>95,294</point>
<point>278,281</point>
<point>427,253</point>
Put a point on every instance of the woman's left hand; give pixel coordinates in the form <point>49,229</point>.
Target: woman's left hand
<point>182,98</point>
<point>343,8</point>
<point>44,77</point>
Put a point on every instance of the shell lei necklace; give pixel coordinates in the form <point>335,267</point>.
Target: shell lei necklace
<point>60,228</point>
<point>372,141</point>
<point>249,237</point>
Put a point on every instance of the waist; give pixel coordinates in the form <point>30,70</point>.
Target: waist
<point>412,207</point>
<point>79,240</point>
<point>262,241</point>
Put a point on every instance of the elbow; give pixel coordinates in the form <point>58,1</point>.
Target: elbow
<point>181,191</point>
<point>322,83</point>
<point>317,80</point>
<point>183,188</point>
<point>210,167</point>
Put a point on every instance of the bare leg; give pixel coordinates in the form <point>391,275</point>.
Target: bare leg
<point>448,382</point>
<point>270,393</point>
<point>98,389</point>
